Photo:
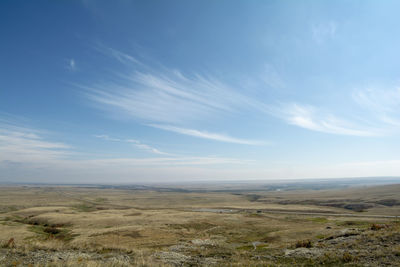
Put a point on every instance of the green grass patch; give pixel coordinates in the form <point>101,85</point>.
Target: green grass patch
<point>50,232</point>
<point>353,223</point>
<point>260,247</point>
<point>14,220</point>
<point>6,209</point>
<point>321,236</point>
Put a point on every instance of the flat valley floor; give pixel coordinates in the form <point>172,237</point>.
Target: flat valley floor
<point>226,225</point>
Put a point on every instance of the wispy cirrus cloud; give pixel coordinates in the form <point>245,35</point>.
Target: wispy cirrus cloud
<point>23,144</point>
<point>382,104</point>
<point>169,99</point>
<point>207,135</point>
<point>378,109</point>
<point>71,65</point>
<point>312,118</point>
<point>107,138</point>
<point>135,143</point>
<point>26,154</point>
<point>118,55</point>
<point>167,96</point>
<point>170,161</point>
<point>30,146</point>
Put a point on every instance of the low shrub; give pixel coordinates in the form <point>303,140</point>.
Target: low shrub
<point>347,257</point>
<point>376,227</point>
<point>9,244</point>
<point>303,244</point>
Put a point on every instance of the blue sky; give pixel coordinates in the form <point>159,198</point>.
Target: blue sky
<point>140,91</point>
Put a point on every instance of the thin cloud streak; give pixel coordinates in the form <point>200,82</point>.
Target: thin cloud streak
<point>383,104</point>
<point>27,148</point>
<point>310,118</point>
<point>24,144</point>
<point>165,97</point>
<point>117,55</point>
<point>71,65</point>
<point>135,143</point>
<point>169,161</point>
<point>206,135</point>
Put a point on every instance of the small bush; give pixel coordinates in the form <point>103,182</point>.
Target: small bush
<point>353,223</point>
<point>347,257</point>
<point>51,230</point>
<point>303,244</point>
<point>9,244</point>
<point>376,227</point>
<point>253,197</point>
<point>396,251</point>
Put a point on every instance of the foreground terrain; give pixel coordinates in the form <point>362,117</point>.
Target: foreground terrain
<point>199,225</point>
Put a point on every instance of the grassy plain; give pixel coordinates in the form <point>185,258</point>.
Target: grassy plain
<point>179,225</point>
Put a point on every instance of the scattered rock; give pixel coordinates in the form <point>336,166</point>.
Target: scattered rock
<point>171,257</point>
<point>203,242</point>
<point>44,257</point>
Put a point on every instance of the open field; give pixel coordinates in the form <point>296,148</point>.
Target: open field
<point>199,225</point>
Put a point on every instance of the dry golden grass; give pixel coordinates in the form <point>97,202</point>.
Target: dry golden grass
<point>72,226</point>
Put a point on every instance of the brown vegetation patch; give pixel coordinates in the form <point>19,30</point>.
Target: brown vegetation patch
<point>376,226</point>
<point>303,244</point>
<point>9,244</point>
<point>271,238</point>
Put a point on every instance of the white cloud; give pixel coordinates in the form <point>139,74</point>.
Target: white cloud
<point>118,55</point>
<point>207,135</point>
<point>150,149</point>
<point>71,64</point>
<point>135,143</point>
<point>23,144</point>
<point>168,97</point>
<point>25,155</point>
<point>164,97</point>
<point>311,118</point>
<point>170,161</point>
<point>383,104</point>
<point>379,111</point>
<point>107,138</point>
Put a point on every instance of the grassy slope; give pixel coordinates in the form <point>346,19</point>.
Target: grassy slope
<point>145,227</point>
